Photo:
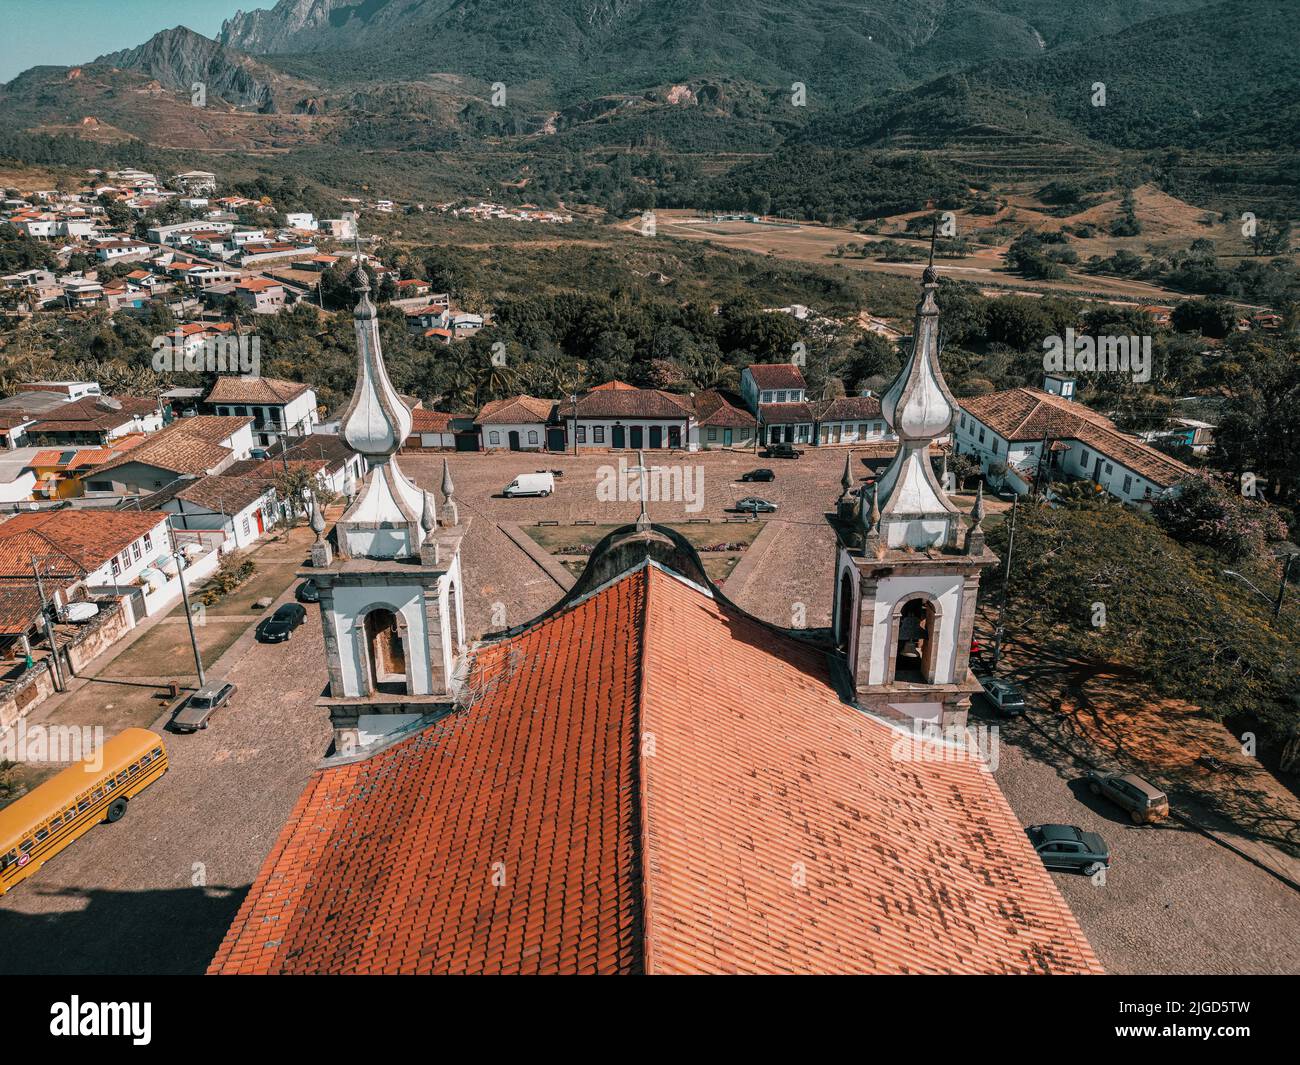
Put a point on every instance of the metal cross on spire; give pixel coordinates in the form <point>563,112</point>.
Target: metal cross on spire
<point>643,521</point>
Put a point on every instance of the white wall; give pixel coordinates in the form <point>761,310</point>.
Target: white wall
<point>502,440</point>
<point>607,425</point>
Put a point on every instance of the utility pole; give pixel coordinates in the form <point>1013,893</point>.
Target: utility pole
<point>55,668</point>
<point>189,618</point>
<point>1006,578</point>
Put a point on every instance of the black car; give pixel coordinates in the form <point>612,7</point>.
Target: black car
<point>781,451</point>
<point>278,627</point>
<point>307,592</point>
<point>1069,847</point>
<point>759,475</point>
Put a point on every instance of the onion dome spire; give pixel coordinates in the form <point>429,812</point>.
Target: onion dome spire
<point>377,419</point>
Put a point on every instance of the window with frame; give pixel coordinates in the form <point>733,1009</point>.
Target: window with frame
<point>582,434</point>
<point>532,436</point>
<point>863,429</point>
<point>125,556</point>
<point>148,542</point>
<point>598,434</point>
<point>981,434</point>
<point>247,528</point>
<point>1083,456</point>
<point>1128,482</point>
<point>713,435</point>
<point>136,553</point>
<point>494,437</point>
<point>116,565</point>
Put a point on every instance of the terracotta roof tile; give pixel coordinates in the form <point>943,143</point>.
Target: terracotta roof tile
<point>516,410</point>
<point>263,390</point>
<point>87,538</point>
<point>779,375</point>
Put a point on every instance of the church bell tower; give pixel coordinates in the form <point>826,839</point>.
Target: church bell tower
<point>391,603</point>
<point>908,569</point>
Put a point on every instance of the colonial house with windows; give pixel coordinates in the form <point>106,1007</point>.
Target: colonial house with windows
<point>517,423</point>
<point>721,420</point>
<point>617,415</point>
<point>778,394</point>
<point>200,445</point>
<point>851,420</point>
<point>1021,434</point>
<point>95,421</point>
<point>437,430</point>
<point>278,408</point>
<point>94,549</point>
<point>241,508</point>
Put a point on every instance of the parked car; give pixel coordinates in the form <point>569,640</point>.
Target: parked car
<point>758,475</point>
<point>754,505</point>
<point>1068,847</point>
<point>280,625</point>
<point>199,707</point>
<point>530,484</point>
<point>781,451</point>
<point>307,592</point>
<point>1144,802</point>
<point>1006,697</point>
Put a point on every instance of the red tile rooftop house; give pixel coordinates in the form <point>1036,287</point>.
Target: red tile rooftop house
<point>645,778</point>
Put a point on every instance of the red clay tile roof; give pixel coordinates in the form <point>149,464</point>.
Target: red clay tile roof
<point>785,413</point>
<point>91,413</point>
<point>615,399</point>
<point>188,445</point>
<point>516,410</point>
<point>431,421</point>
<point>850,408</point>
<point>615,800</point>
<point>20,608</point>
<point>86,538</point>
<point>1029,414</point>
<point>263,390</point>
<point>776,375</point>
<point>722,409</point>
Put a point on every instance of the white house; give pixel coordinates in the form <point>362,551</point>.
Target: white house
<point>617,415</point>
<point>1018,434</point>
<point>778,396</point>
<point>278,408</point>
<point>241,508</point>
<point>518,423</point>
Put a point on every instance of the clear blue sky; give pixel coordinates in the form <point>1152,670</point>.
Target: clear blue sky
<point>67,32</point>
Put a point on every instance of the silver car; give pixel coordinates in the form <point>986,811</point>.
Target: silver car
<point>199,707</point>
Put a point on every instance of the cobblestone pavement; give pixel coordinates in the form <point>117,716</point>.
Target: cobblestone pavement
<point>798,570</point>
<point>1173,901</point>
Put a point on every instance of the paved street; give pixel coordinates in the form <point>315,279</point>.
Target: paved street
<point>1174,901</point>
<point>156,892</point>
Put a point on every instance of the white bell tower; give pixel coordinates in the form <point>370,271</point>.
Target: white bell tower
<point>391,603</point>
<point>906,575</point>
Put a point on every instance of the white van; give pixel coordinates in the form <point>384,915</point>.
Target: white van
<point>530,484</point>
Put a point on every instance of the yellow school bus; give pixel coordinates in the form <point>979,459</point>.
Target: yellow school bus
<point>36,827</point>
